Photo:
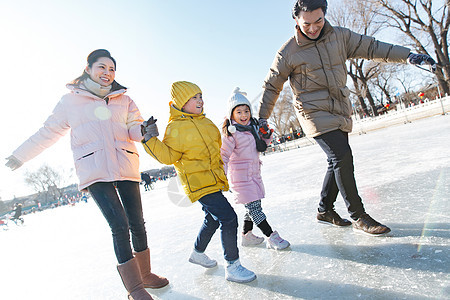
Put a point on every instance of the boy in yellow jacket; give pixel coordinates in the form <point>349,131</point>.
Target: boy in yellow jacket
<point>192,144</point>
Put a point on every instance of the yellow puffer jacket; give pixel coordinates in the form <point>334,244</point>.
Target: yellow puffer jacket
<point>192,144</point>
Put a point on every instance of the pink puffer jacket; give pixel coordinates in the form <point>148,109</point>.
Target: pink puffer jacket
<point>243,166</point>
<point>102,136</point>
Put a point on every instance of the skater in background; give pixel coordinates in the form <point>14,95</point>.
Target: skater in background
<point>104,123</point>
<point>242,141</point>
<point>17,211</point>
<point>192,144</point>
<point>314,62</point>
<point>147,181</point>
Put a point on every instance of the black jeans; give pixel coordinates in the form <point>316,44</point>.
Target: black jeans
<point>339,176</point>
<point>218,211</point>
<point>123,215</point>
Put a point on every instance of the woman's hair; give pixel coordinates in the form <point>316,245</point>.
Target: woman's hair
<point>308,5</point>
<point>91,59</point>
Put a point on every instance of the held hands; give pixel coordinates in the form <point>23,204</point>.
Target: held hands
<point>13,163</point>
<point>422,59</point>
<point>264,129</point>
<point>149,129</point>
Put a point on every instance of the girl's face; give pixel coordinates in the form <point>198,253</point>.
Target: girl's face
<point>194,105</point>
<point>102,71</point>
<point>241,114</point>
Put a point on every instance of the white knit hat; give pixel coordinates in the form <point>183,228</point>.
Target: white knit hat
<point>237,98</point>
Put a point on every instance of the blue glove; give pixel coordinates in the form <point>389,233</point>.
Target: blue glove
<point>421,59</point>
<point>149,129</point>
<point>13,162</point>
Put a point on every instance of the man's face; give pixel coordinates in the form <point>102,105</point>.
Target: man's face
<point>311,22</point>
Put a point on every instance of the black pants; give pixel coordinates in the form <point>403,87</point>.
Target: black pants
<point>123,215</point>
<point>339,175</point>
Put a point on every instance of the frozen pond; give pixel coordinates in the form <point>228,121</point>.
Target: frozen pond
<point>403,175</point>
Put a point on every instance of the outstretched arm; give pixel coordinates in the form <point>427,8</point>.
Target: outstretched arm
<point>54,128</point>
<point>161,151</point>
<point>273,85</point>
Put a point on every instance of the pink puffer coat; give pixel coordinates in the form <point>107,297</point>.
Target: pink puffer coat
<point>102,136</point>
<point>243,166</point>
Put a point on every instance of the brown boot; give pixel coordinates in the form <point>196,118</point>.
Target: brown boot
<point>149,279</point>
<point>132,280</point>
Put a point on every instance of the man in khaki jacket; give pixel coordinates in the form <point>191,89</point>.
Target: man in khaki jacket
<point>314,62</point>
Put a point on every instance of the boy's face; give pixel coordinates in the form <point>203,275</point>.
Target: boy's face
<point>194,105</point>
<point>311,22</point>
<point>241,114</point>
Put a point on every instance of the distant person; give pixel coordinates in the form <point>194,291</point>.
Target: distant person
<point>104,122</point>
<point>192,144</point>
<point>242,141</point>
<point>147,180</point>
<point>17,211</point>
<point>314,62</point>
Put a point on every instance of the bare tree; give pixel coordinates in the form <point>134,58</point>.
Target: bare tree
<point>283,117</point>
<point>46,180</point>
<point>426,24</point>
<point>384,78</point>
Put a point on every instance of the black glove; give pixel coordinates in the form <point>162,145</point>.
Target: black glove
<point>264,131</point>
<point>421,59</point>
<point>149,129</point>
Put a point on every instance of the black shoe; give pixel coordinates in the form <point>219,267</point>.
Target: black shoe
<point>331,217</point>
<point>366,224</point>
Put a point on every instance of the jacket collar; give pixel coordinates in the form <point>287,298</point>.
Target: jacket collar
<point>176,113</point>
<point>302,40</point>
<point>116,91</point>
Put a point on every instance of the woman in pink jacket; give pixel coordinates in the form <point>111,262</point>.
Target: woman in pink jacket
<point>104,123</point>
<point>241,143</point>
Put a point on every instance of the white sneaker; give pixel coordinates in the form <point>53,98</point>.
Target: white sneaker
<point>249,239</point>
<point>276,242</point>
<point>237,273</point>
<point>202,259</point>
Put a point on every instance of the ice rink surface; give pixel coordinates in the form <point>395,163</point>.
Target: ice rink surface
<point>403,176</point>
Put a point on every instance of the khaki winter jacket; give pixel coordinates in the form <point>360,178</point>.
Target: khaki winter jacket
<point>318,75</point>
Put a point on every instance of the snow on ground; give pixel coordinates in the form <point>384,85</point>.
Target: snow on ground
<point>403,176</point>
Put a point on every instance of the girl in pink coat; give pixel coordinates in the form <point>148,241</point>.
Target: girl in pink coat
<point>104,123</point>
<point>242,140</point>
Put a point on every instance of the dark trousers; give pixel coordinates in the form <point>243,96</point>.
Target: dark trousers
<point>218,212</point>
<point>339,175</point>
<point>123,215</point>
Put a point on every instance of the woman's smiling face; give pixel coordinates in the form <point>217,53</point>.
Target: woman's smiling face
<point>103,71</point>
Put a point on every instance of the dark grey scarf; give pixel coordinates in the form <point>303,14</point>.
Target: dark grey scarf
<point>253,127</point>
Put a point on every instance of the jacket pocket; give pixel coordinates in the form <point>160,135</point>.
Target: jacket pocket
<point>200,180</point>
<point>345,103</point>
<point>90,164</point>
<point>239,172</point>
<point>128,159</point>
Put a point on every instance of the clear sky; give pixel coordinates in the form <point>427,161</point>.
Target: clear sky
<point>44,44</point>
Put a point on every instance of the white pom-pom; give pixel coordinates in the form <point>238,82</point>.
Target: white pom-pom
<point>232,129</point>
<point>237,90</point>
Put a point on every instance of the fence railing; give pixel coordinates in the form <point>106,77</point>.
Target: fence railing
<point>401,115</point>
